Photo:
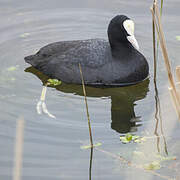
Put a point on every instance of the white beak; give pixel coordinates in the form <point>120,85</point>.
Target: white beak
<point>133,41</point>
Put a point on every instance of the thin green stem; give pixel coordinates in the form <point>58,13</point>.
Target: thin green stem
<point>161,7</point>
<point>87,111</point>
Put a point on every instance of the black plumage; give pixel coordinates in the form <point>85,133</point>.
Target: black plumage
<point>114,62</point>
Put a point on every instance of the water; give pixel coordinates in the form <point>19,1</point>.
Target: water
<point>52,147</point>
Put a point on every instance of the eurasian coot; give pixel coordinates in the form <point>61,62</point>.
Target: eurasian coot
<point>116,62</point>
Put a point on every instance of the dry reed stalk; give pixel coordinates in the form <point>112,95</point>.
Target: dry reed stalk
<point>154,49</point>
<point>87,111</point>
<point>178,79</point>
<point>155,85</point>
<point>165,54</point>
<point>90,164</point>
<point>173,97</point>
<point>163,47</point>
<point>178,74</point>
<point>17,171</point>
<point>158,24</point>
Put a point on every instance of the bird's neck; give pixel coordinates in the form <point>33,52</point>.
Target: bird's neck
<point>121,49</point>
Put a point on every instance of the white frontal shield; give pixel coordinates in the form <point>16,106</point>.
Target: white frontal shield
<point>129,27</point>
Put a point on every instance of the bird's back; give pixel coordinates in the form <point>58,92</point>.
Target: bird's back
<point>61,59</point>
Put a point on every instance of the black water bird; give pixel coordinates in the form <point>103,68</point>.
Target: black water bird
<point>116,62</point>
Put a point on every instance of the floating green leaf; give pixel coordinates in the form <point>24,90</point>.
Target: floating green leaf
<point>24,35</point>
<point>178,38</point>
<point>89,146</point>
<point>53,82</point>
<point>135,137</point>
<point>124,140</point>
<point>12,68</point>
<point>152,166</point>
<point>140,140</point>
<point>131,138</point>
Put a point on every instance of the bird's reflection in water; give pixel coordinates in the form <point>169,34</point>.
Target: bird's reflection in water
<point>122,100</point>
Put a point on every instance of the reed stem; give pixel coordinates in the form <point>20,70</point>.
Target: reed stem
<point>87,111</point>
<point>178,74</point>
<point>158,25</point>
<point>154,48</point>
<point>18,149</point>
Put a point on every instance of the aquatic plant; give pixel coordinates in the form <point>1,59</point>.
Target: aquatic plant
<point>87,111</point>
<point>53,82</point>
<point>131,138</point>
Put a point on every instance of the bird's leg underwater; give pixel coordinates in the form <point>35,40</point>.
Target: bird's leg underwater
<point>41,105</point>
